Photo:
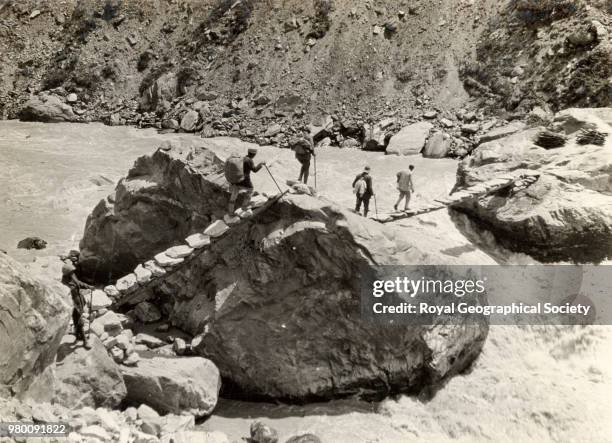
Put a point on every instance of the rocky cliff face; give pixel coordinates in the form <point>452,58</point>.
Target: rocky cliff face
<point>550,53</point>
<point>567,213</point>
<point>275,301</point>
<point>239,68</point>
<point>33,318</point>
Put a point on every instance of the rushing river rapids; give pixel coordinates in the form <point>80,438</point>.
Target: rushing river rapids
<point>55,174</point>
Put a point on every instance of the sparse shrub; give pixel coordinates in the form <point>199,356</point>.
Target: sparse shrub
<point>110,71</point>
<point>152,76</point>
<point>242,15</point>
<point>533,11</point>
<point>239,21</point>
<point>404,76</point>
<point>111,9</point>
<point>322,18</point>
<point>87,76</point>
<point>144,60</point>
<point>186,77</point>
<point>64,64</point>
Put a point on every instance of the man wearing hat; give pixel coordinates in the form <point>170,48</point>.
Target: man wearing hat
<point>70,279</point>
<point>367,193</point>
<point>304,151</point>
<point>246,185</point>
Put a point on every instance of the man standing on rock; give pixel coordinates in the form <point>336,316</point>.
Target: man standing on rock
<point>405,187</point>
<point>365,195</point>
<point>239,176</point>
<point>303,153</point>
<point>70,279</point>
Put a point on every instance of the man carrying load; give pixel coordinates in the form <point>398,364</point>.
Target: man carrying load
<point>238,174</point>
<point>304,151</point>
<point>364,191</point>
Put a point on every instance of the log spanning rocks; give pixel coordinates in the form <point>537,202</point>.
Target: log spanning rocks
<point>503,183</point>
<point>274,301</point>
<point>567,213</point>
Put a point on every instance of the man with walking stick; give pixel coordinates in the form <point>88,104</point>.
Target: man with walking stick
<point>364,191</point>
<point>238,174</point>
<point>70,279</point>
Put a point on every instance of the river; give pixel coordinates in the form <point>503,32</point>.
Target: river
<point>537,383</point>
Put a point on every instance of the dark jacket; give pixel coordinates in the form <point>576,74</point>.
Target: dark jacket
<point>369,192</point>
<point>72,281</point>
<point>248,166</point>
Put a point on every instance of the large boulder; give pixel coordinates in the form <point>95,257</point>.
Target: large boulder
<point>438,145</point>
<point>187,385</point>
<point>160,93</point>
<point>259,312</point>
<point>410,140</point>
<point>189,122</point>
<point>47,108</point>
<point>158,204</point>
<point>275,301</point>
<point>567,213</point>
<point>87,377</point>
<point>34,316</point>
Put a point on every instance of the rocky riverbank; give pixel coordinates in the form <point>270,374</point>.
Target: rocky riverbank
<point>493,380</point>
<point>566,214</point>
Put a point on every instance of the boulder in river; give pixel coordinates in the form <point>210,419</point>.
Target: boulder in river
<point>438,145</point>
<point>47,108</point>
<point>278,277</point>
<point>34,315</point>
<point>32,243</point>
<point>169,385</point>
<point>410,140</point>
